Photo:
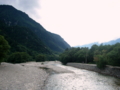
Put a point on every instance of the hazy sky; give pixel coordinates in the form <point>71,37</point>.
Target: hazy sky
<point>77,21</point>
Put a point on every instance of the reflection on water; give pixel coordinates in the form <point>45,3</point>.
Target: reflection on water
<point>81,80</point>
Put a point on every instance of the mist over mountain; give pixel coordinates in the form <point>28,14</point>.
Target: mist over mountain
<point>112,42</point>
<point>23,33</point>
<point>88,45</point>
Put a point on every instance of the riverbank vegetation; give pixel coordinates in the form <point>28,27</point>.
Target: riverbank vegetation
<point>17,56</point>
<point>101,55</point>
<point>4,48</point>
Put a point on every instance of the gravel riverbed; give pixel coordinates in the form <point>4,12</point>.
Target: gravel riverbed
<point>52,76</point>
<point>26,76</point>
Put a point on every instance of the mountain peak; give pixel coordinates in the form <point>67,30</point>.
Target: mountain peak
<point>8,7</point>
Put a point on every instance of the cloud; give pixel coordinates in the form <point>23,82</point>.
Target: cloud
<point>28,6</point>
<point>23,4</point>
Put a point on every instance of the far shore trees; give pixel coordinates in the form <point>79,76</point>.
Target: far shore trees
<point>102,55</point>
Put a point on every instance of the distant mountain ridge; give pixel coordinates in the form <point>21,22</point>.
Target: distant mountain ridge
<point>88,45</point>
<point>112,42</point>
<point>19,28</point>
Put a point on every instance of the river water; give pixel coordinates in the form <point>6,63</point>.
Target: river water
<point>81,80</point>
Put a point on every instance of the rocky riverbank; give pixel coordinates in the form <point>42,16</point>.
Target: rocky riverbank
<point>109,70</point>
<point>27,76</point>
<point>52,76</point>
<point>80,79</point>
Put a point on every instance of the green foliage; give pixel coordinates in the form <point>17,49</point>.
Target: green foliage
<point>4,48</point>
<point>101,55</point>
<point>40,58</point>
<point>114,56</point>
<point>22,39</point>
<point>74,55</point>
<point>51,57</point>
<point>19,57</point>
<point>101,63</point>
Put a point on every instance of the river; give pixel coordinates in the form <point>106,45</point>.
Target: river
<point>81,80</point>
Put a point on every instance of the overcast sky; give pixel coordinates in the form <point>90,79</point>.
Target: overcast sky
<point>77,21</point>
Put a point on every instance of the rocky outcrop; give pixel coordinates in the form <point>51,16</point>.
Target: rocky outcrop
<point>109,70</point>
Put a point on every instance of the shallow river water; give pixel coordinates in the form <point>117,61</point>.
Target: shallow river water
<point>81,80</point>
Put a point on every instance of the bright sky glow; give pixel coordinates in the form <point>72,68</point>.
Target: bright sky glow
<point>79,21</point>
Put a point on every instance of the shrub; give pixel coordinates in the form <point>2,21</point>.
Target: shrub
<point>19,57</point>
<point>101,63</point>
<point>4,48</point>
<point>40,58</point>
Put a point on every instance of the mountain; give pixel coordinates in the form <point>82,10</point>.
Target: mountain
<point>112,42</point>
<point>22,32</point>
<point>88,45</point>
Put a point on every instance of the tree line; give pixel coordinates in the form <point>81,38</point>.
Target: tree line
<point>20,56</point>
<point>99,54</point>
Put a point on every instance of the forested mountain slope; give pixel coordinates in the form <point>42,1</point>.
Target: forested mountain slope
<point>23,32</point>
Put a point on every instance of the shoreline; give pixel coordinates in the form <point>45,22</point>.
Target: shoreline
<point>39,76</point>
<point>109,70</point>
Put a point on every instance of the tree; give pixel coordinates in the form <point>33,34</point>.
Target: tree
<point>4,48</point>
<point>19,57</point>
<point>101,62</point>
<point>102,55</point>
<point>114,57</point>
<point>91,52</point>
<point>40,58</point>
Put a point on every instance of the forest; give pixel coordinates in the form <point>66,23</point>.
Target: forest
<point>20,53</point>
<point>101,55</point>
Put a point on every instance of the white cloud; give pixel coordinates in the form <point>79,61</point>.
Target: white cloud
<point>28,6</point>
